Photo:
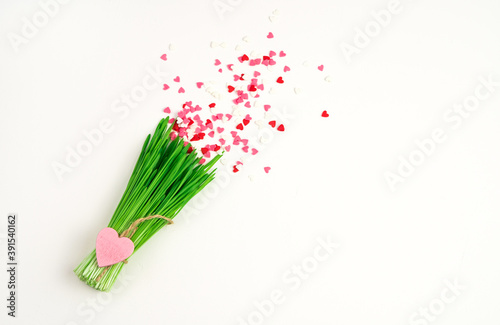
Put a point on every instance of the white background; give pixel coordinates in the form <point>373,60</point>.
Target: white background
<point>397,248</point>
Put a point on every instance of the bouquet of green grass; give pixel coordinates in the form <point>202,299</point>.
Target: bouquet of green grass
<point>166,176</point>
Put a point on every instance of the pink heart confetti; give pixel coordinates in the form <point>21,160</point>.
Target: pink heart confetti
<point>282,54</point>
<point>320,68</point>
<point>111,249</point>
<point>165,86</point>
<point>177,79</point>
<point>181,90</point>
<point>267,169</point>
<point>217,62</point>
<point>286,68</point>
<point>164,57</point>
<point>199,84</point>
<point>167,110</point>
<point>270,35</point>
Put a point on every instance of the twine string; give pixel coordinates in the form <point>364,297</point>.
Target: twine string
<point>129,232</point>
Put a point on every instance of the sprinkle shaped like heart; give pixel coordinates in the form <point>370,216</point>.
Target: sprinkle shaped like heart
<point>270,35</point>
<point>321,67</point>
<point>325,114</point>
<point>163,57</point>
<point>111,249</point>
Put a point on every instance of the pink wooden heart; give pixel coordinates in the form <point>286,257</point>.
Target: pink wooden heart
<point>110,249</point>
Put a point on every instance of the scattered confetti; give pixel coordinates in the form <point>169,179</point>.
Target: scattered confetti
<point>267,169</point>
<point>165,86</point>
<point>241,97</point>
<point>325,114</point>
<point>164,57</point>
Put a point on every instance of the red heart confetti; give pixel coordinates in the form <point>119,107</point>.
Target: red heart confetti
<point>325,114</point>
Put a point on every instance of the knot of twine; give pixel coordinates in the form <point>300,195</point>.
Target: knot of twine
<point>130,231</point>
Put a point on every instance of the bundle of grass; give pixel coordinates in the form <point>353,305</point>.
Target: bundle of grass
<point>166,176</point>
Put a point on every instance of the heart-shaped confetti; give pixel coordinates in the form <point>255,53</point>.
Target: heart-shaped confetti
<point>325,114</point>
<point>181,90</point>
<point>177,79</point>
<point>282,54</point>
<point>167,110</point>
<point>111,249</point>
<point>281,128</point>
<point>267,169</point>
<point>164,57</point>
<point>199,84</point>
<point>270,35</point>
<point>286,68</point>
<point>320,68</point>
<point>165,86</point>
